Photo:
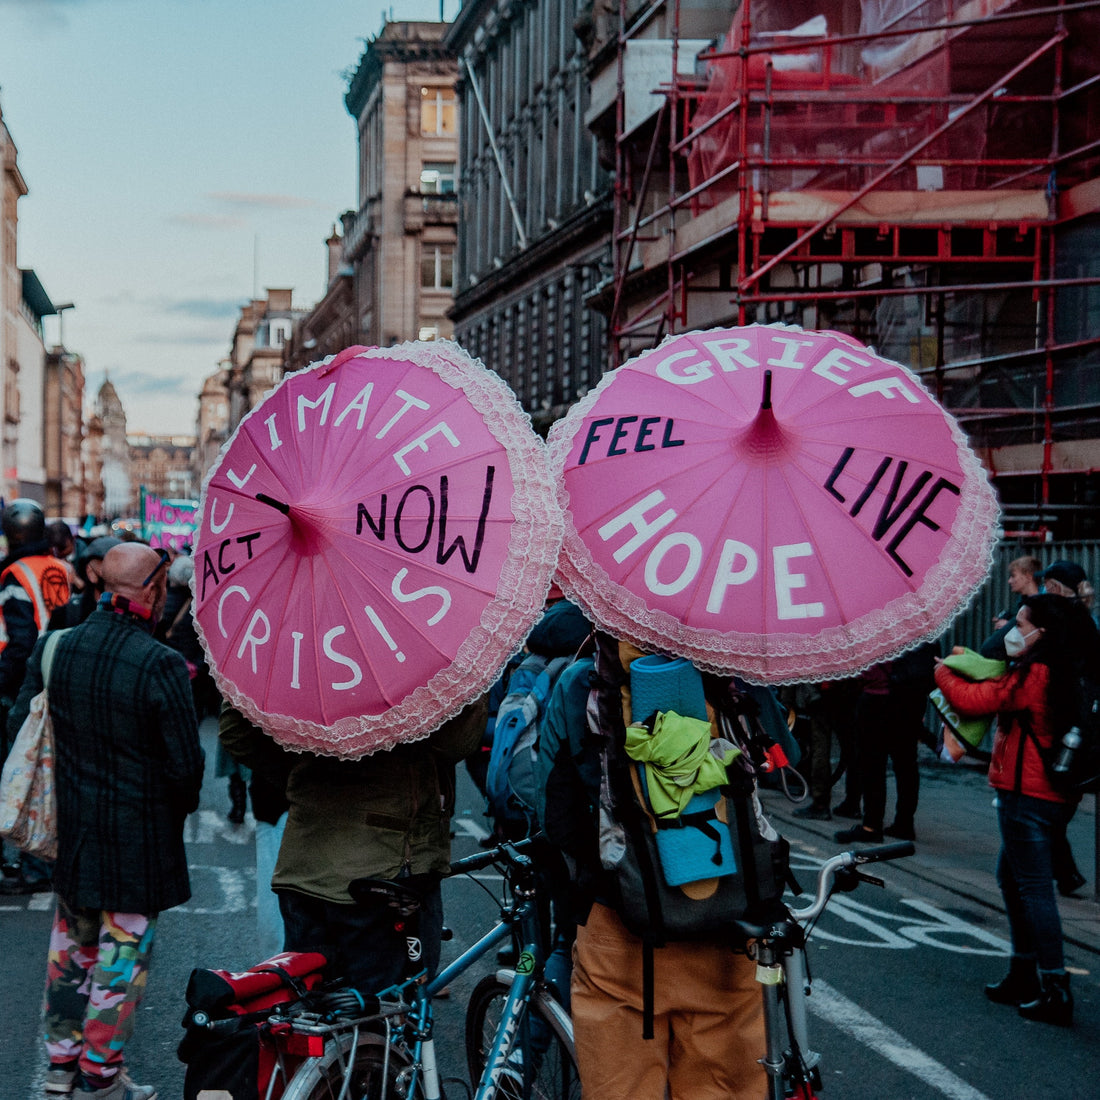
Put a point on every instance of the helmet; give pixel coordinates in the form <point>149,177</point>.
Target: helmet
<point>24,522</point>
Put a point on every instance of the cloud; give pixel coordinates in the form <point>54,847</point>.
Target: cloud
<point>196,337</point>
<point>132,382</point>
<point>207,309</point>
<point>258,199</point>
<point>206,221</point>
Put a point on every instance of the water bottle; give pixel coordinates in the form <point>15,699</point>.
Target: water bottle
<point>1071,742</point>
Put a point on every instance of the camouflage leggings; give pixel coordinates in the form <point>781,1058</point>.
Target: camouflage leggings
<point>94,982</point>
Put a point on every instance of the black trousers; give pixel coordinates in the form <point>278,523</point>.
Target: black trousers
<point>366,944</point>
<point>888,728</point>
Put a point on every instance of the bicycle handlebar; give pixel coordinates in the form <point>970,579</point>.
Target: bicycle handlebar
<point>829,868</point>
<point>883,852</point>
<point>510,852</point>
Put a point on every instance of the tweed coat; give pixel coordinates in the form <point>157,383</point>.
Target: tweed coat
<point>128,763</point>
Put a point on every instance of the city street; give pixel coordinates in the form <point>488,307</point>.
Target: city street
<point>897,1011</point>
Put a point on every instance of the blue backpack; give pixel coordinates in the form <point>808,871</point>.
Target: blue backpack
<point>512,783</point>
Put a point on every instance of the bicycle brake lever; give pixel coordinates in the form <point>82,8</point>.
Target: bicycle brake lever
<point>871,880</point>
<point>849,878</point>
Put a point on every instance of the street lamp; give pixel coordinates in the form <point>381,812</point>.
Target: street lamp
<point>60,311</point>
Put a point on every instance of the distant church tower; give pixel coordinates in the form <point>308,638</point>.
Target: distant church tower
<point>115,454</point>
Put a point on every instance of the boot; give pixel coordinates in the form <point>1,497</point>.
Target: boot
<point>238,797</point>
<point>1018,986</point>
<point>1054,1004</point>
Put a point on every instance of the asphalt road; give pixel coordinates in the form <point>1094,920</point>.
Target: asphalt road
<point>896,1012</point>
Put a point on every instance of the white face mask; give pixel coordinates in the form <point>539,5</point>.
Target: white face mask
<point>1016,641</point>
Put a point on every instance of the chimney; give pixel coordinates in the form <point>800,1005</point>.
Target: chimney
<point>335,255</point>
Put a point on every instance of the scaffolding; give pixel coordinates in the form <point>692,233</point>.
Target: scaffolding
<point>922,174</point>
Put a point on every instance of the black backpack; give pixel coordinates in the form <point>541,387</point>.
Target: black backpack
<point>1073,762</point>
<point>649,907</point>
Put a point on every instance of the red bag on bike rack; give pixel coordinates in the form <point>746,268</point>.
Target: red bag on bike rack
<point>228,1048</point>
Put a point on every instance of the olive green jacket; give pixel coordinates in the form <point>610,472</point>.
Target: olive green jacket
<point>372,817</point>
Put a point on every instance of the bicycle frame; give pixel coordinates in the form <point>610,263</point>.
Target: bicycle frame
<point>528,967</point>
<point>410,1002</point>
<point>779,950</point>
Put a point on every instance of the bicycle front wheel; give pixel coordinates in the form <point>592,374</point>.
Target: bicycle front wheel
<point>543,1064</point>
<point>371,1078</point>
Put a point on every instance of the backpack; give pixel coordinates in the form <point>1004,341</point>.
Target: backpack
<point>749,860</point>
<point>649,906</point>
<point>511,782</point>
<point>1073,762</point>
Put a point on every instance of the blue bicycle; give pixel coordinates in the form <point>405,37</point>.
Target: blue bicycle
<point>519,1038</point>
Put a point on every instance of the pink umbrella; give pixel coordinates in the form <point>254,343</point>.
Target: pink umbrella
<point>781,504</point>
<point>375,540</point>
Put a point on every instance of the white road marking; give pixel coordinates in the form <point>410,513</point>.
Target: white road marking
<point>235,891</point>
<point>832,1006</point>
<point>470,827</point>
<point>207,826</point>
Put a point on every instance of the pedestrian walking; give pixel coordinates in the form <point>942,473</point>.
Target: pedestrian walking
<point>1052,643</point>
<point>889,727</point>
<point>34,583</point>
<point>128,770</point>
<point>268,765</point>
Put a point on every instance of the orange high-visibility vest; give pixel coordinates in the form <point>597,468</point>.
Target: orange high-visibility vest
<point>45,579</point>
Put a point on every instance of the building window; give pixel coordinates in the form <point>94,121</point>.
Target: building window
<point>437,112</point>
<point>437,267</point>
<point>11,392</point>
<point>428,332</point>
<point>437,177</point>
<point>280,331</point>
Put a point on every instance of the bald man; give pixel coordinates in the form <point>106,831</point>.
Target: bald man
<point>128,772</point>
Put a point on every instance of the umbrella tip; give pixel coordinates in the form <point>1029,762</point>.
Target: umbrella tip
<point>263,498</point>
<point>766,400</point>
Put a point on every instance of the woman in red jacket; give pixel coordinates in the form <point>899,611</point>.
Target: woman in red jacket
<point>1034,702</point>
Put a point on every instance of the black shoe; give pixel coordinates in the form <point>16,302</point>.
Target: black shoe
<point>1018,986</point>
<point>1054,1005</point>
<point>848,809</point>
<point>1070,884</point>
<point>814,813</point>
<point>901,832</point>
<point>858,834</point>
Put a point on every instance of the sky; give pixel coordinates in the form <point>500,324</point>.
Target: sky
<point>180,157</point>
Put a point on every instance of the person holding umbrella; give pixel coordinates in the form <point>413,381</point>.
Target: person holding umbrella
<point>770,503</point>
<point>375,540</point>
<point>1052,643</point>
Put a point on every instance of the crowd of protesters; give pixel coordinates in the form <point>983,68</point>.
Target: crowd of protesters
<point>321,823</point>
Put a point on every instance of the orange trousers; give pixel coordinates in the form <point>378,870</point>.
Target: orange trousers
<point>708,1018</point>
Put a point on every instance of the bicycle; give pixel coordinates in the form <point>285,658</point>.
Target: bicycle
<point>519,1039</point>
<point>779,948</point>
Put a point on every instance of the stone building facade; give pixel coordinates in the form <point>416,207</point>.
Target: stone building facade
<point>162,464</point>
<point>256,354</point>
<point>400,243</point>
<point>113,453</point>
<point>66,493</point>
<point>212,423</point>
<point>331,325</point>
<point>535,215</point>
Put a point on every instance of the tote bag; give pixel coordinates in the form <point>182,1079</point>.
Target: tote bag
<point>28,803</point>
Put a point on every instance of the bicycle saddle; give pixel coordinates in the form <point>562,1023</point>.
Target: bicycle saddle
<point>403,898</point>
